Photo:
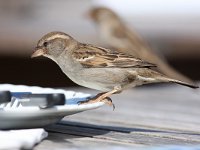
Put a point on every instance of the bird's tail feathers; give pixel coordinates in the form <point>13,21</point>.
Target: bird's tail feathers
<point>191,85</point>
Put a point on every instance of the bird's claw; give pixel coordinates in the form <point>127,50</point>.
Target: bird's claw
<point>96,99</point>
<point>109,102</point>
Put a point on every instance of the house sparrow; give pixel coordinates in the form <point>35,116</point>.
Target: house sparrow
<point>114,33</point>
<point>96,67</point>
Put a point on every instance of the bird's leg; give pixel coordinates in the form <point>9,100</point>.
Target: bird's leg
<point>103,97</point>
<point>107,94</point>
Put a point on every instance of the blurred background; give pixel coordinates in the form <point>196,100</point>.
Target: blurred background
<point>171,27</point>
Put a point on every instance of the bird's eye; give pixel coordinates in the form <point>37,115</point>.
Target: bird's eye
<point>45,44</point>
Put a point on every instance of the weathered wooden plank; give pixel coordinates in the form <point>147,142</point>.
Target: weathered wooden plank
<point>149,116</point>
<point>166,107</point>
<point>58,141</point>
<point>120,137</point>
<point>185,135</point>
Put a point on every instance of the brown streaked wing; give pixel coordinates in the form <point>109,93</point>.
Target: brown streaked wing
<point>96,57</point>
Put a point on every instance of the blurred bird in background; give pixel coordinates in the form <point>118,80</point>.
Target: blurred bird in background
<point>115,34</point>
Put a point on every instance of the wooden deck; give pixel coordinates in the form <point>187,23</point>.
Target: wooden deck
<point>144,117</point>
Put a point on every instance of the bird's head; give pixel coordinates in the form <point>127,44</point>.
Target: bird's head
<point>102,14</point>
<point>53,44</point>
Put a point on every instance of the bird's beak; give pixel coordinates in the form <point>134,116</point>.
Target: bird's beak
<point>87,15</point>
<point>39,51</point>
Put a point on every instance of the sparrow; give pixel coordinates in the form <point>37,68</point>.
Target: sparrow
<point>96,67</point>
<point>115,34</point>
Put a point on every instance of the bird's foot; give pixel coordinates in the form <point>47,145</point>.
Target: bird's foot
<point>109,102</point>
<point>98,98</point>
